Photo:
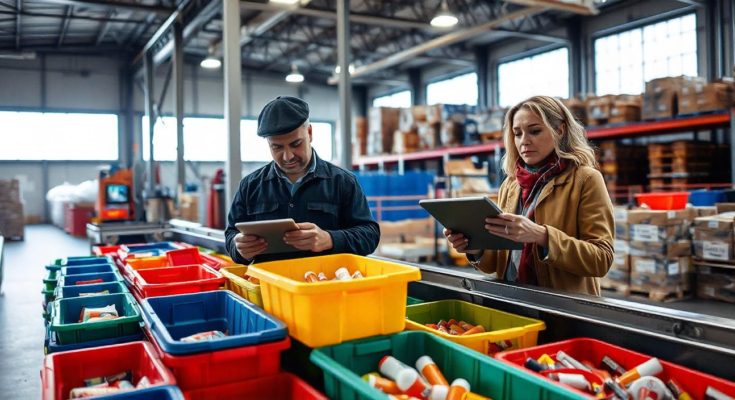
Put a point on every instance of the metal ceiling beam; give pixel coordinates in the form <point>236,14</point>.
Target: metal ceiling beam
<point>80,17</point>
<point>696,3</point>
<point>560,5</point>
<point>65,25</point>
<point>141,29</point>
<point>190,30</point>
<point>104,29</point>
<point>114,5</point>
<point>534,36</point>
<point>451,38</point>
<point>328,14</point>
<point>263,27</point>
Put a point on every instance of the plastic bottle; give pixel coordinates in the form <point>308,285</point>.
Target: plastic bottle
<point>386,385</point>
<point>473,396</point>
<point>475,330</point>
<point>357,275</point>
<point>430,371</point>
<point>714,394</point>
<point>322,277</point>
<point>410,383</point>
<point>648,368</point>
<point>458,389</point>
<point>390,367</point>
<point>439,392</point>
<point>576,381</point>
<point>565,359</point>
<point>343,274</point>
<point>535,366</point>
<point>311,277</point>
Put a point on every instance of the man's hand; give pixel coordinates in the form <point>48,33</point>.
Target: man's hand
<point>249,246</point>
<point>309,237</point>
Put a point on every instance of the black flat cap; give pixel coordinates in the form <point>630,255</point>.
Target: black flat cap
<point>282,115</point>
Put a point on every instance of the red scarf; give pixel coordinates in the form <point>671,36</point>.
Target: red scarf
<point>531,183</point>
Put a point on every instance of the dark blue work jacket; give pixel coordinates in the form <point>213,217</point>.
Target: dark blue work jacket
<point>330,198</point>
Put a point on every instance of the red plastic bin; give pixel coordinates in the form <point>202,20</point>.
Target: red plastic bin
<point>187,256</point>
<point>199,371</point>
<point>283,386</point>
<point>663,201</point>
<point>176,280</point>
<point>695,383</point>
<point>65,371</point>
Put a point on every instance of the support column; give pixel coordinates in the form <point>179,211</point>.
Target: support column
<point>178,71</point>
<point>125,119</point>
<point>574,33</point>
<point>361,105</point>
<point>345,88</point>
<point>233,96</point>
<point>151,188</point>
<point>483,84</point>
<point>713,41</point>
<point>418,92</point>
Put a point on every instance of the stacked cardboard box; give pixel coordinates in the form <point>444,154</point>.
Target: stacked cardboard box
<point>675,165</point>
<point>704,97</point>
<point>660,252</point>
<point>622,166</point>
<point>613,109</point>
<point>360,145</point>
<point>660,97</point>
<point>716,283</point>
<point>578,109</point>
<point>618,277</point>
<point>12,221</point>
<point>713,237</point>
<point>382,125</point>
<point>471,182</point>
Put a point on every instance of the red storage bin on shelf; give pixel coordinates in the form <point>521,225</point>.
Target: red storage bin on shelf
<point>203,370</point>
<point>76,218</point>
<point>584,349</point>
<point>666,201</point>
<point>176,280</point>
<point>65,371</point>
<point>283,386</point>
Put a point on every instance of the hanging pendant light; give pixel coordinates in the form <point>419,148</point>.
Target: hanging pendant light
<point>211,63</point>
<point>295,76</point>
<point>444,18</point>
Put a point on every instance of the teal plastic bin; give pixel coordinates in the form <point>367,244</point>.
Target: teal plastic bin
<point>410,301</point>
<point>65,318</point>
<point>346,363</point>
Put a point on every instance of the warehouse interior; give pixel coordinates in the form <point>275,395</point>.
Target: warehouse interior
<point>425,114</point>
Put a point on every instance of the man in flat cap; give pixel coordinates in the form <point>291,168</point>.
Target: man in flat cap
<point>324,200</point>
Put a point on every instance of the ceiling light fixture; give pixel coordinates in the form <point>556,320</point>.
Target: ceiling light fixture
<point>295,76</point>
<point>351,68</point>
<point>211,63</point>
<point>444,18</point>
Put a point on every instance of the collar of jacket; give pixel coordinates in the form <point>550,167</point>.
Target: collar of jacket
<point>557,181</point>
<point>321,171</point>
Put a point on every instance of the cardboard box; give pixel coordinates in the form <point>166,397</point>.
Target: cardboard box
<point>661,218</point>
<point>674,83</point>
<point>578,108</point>
<point>706,211</point>
<point>655,233</point>
<point>723,208</point>
<point>620,213</point>
<point>452,133</point>
<point>619,272</point>
<point>622,231</point>
<point>713,250</point>
<point>659,250</point>
<point>428,135</point>
<point>383,122</point>
<point>621,247</point>
<point>715,228</point>
<point>716,284</point>
<point>406,230</point>
<point>705,97</point>
<point>434,113</point>
<point>661,104</point>
<point>648,274</point>
<point>625,109</point>
<point>405,142</point>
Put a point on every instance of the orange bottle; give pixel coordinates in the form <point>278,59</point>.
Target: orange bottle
<point>311,277</point>
<point>386,385</point>
<point>430,371</point>
<point>475,330</point>
<point>458,389</point>
<point>456,328</point>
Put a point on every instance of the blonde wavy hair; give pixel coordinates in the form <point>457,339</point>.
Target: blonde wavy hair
<point>570,143</point>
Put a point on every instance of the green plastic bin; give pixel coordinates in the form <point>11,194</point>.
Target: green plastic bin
<point>50,281</point>
<point>49,295</point>
<point>344,364</point>
<point>65,316</point>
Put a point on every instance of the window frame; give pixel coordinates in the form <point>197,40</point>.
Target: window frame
<point>120,116</point>
<point>452,75</point>
<point>528,54</point>
<point>389,93</point>
<point>639,24</point>
<point>139,117</point>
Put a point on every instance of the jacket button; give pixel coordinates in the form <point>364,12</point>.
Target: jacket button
<point>291,205</point>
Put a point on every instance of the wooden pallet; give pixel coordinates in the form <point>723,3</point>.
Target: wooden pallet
<point>717,264</point>
<point>661,296</point>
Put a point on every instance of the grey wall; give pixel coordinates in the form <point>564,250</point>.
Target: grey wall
<point>87,83</point>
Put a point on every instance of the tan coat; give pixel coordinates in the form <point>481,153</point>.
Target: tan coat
<point>576,209</point>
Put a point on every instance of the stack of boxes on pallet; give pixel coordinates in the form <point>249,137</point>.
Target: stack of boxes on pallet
<point>622,166</point>
<point>618,277</point>
<point>12,222</point>
<point>675,165</point>
<point>612,109</point>
<point>685,95</point>
<point>659,252</point>
<point>713,250</point>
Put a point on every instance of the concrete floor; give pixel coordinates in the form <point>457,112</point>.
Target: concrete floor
<point>21,323</point>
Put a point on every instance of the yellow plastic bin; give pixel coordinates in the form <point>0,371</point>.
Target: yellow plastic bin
<point>500,326</point>
<point>240,286</point>
<point>326,313</point>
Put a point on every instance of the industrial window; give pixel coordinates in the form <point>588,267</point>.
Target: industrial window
<point>624,62</point>
<point>58,136</point>
<point>544,74</point>
<point>205,139</point>
<point>461,89</point>
<point>396,100</point>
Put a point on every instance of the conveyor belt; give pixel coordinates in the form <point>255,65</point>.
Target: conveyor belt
<point>694,340</point>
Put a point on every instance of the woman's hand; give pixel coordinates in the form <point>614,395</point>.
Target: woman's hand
<point>518,229</point>
<point>459,242</point>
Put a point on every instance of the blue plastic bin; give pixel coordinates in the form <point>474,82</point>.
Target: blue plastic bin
<point>174,317</point>
<point>52,345</point>
<point>63,292</point>
<point>154,393</point>
<point>71,280</point>
<point>88,269</point>
<point>57,264</point>
<point>706,198</point>
<point>162,246</point>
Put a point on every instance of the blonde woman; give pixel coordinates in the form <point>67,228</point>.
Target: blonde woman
<point>554,202</point>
